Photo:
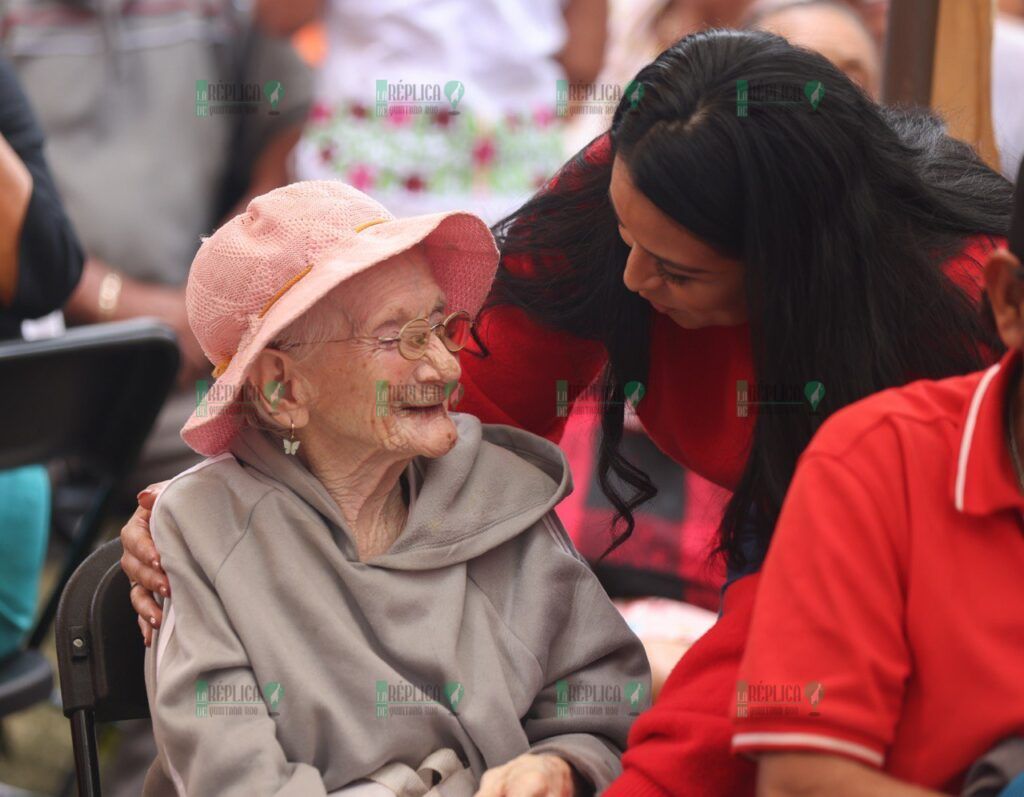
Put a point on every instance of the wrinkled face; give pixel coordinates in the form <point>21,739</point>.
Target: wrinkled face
<point>368,396</point>
<point>680,275</point>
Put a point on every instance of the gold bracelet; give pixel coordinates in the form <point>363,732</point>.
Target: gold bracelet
<point>110,293</point>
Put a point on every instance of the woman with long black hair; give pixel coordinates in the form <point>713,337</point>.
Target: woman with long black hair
<point>785,246</point>
<point>734,229</point>
<point>752,217</point>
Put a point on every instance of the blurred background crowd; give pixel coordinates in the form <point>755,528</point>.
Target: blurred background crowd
<point>161,118</point>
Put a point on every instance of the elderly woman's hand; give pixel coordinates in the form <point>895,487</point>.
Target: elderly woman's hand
<point>531,775</point>
<point>141,563</point>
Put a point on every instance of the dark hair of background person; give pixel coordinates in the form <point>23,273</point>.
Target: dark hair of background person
<point>842,217</point>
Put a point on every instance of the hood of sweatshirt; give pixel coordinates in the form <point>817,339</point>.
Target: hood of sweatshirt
<point>495,483</point>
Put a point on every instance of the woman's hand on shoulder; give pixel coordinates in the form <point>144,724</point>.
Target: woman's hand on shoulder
<point>141,563</point>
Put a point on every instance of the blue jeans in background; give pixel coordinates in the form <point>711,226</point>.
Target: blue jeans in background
<point>24,529</point>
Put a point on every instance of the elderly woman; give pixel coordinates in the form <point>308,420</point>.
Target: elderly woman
<point>369,594</point>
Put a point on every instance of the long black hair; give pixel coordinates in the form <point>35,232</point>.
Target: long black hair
<point>841,212</point>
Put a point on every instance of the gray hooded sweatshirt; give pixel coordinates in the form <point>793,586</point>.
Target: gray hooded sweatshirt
<point>285,666</point>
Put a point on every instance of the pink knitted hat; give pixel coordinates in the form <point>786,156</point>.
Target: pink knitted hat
<point>292,246</point>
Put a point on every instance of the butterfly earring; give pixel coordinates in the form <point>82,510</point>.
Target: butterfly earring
<point>291,445</point>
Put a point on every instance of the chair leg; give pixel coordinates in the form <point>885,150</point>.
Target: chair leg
<point>87,760</point>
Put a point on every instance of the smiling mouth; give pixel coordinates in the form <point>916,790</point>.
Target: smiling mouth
<point>424,411</point>
<point>659,307</point>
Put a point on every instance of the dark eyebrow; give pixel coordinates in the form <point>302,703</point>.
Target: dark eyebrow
<point>662,260</point>
<point>678,266</point>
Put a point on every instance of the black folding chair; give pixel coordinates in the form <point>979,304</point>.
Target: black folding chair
<point>90,396</point>
<point>100,657</point>
<point>25,679</point>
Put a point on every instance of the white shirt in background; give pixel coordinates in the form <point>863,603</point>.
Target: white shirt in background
<point>491,156</point>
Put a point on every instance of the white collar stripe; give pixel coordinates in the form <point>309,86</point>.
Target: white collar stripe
<point>968,437</point>
<point>816,740</point>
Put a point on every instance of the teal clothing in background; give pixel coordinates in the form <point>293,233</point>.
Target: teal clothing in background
<point>24,528</point>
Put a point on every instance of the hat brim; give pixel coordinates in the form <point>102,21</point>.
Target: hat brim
<point>463,258</point>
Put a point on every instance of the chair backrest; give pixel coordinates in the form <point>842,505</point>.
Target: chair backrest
<point>100,652</point>
<point>91,393</point>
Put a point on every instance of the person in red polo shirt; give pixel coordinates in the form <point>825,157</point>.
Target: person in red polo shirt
<point>886,646</point>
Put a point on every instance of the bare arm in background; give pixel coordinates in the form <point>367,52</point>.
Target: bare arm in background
<point>283,19</point>
<point>810,774</point>
<point>167,303</point>
<point>583,54</point>
<point>137,298</point>
<point>270,169</point>
<point>40,259</point>
<point>15,190</point>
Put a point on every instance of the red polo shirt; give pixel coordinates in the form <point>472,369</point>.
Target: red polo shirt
<point>889,621</point>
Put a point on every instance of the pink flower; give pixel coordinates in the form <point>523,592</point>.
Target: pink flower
<point>443,117</point>
<point>319,112</point>
<point>399,115</point>
<point>361,176</point>
<point>543,116</point>
<point>483,152</point>
<point>357,110</point>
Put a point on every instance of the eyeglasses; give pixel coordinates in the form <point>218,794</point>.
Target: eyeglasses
<point>413,338</point>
